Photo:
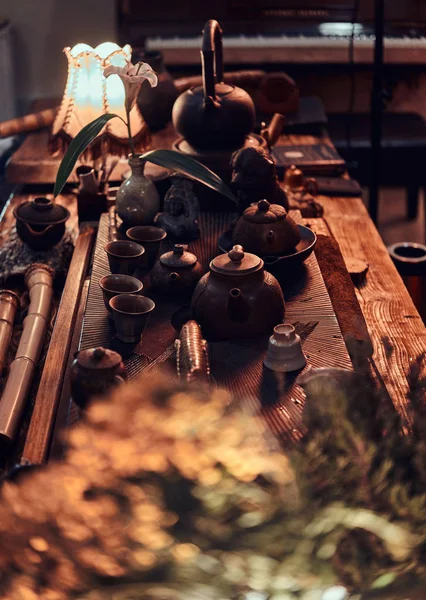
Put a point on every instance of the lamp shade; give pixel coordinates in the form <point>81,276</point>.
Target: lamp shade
<point>88,94</point>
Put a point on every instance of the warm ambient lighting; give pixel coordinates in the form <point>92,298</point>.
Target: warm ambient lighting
<point>88,94</point>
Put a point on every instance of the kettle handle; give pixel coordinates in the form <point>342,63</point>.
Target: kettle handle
<point>212,57</point>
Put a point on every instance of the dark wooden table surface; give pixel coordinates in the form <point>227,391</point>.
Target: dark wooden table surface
<point>387,307</point>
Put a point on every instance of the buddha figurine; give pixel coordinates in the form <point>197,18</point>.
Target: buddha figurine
<point>181,210</point>
<point>254,178</point>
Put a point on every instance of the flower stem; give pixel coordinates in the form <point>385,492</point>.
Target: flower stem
<point>129,131</point>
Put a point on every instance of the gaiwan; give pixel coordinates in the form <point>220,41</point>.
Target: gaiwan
<point>266,229</point>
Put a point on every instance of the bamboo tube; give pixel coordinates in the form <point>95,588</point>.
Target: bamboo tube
<point>9,303</point>
<point>27,123</point>
<point>39,280</point>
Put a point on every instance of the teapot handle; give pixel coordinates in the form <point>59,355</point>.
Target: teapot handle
<point>212,57</point>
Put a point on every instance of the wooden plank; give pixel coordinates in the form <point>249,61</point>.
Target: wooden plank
<point>387,307</point>
<point>49,391</point>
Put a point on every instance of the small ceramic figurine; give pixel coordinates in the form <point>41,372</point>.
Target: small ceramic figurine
<point>254,178</point>
<point>181,210</point>
<point>284,350</point>
<point>192,360</point>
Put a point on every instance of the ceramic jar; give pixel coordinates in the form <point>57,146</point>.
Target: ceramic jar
<point>266,229</point>
<point>176,272</point>
<point>137,201</point>
<point>40,223</point>
<point>156,103</point>
<point>94,372</point>
<point>238,298</point>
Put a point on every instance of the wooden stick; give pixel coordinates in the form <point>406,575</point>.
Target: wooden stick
<point>27,123</point>
<point>49,391</point>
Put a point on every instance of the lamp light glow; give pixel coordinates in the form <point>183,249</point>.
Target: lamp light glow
<point>88,95</point>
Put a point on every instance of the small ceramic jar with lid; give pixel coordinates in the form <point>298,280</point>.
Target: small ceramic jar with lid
<point>176,272</point>
<point>266,229</point>
<point>94,372</point>
<point>40,223</point>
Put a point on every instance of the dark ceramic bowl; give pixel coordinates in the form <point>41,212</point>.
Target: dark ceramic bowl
<point>277,264</point>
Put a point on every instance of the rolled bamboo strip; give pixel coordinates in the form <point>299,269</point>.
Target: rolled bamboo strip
<point>49,391</point>
<point>39,280</point>
<point>28,123</point>
<point>9,303</point>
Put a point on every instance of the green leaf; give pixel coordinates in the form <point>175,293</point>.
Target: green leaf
<point>170,159</point>
<point>77,147</point>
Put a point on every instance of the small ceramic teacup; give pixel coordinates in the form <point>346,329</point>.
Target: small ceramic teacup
<point>131,313</point>
<point>112,285</point>
<point>124,257</point>
<point>150,238</point>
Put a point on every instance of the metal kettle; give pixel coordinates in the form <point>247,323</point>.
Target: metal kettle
<point>214,116</point>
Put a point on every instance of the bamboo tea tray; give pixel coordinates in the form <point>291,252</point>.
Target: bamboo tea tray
<point>236,365</point>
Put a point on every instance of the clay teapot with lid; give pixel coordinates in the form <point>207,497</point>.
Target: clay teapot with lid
<point>176,272</point>
<point>237,298</point>
<point>40,223</point>
<point>94,372</point>
<point>214,116</point>
<point>266,229</point>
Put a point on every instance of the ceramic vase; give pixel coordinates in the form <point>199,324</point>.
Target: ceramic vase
<point>137,200</point>
<point>155,104</point>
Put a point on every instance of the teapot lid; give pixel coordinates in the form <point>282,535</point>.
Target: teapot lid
<point>264,212</point>
<point>98,358</point>
<point>178,257</point>
<point>236,262</point>
<point>41,211</point>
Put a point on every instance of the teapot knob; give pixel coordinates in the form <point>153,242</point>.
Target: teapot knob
<point>178,249</point>
<point>98,353</point>
<point>263,205</point>
<point>236,254</point>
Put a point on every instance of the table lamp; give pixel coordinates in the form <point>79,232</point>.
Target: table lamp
<point>88,94</point>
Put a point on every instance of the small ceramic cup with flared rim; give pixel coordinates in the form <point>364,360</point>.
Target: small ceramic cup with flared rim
<point>124,256</point>
<point>131,313</point>
<point>150,237</point>
<point>113,285</point>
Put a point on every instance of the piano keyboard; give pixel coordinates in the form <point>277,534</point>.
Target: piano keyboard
<point>292,49</point>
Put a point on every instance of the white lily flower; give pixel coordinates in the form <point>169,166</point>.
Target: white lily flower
<point>132,77</point>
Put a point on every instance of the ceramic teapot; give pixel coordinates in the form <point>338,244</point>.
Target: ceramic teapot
<point>214,116</point>
<point>40,223</point>
<point>94,372</point>
<point>176,272</point>
<point>238,298</point>
<point>266,229</point>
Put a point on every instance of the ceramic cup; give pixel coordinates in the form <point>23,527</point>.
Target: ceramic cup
<point>284,350</point>
<point>150,238</point>
<point>113,285</point>
<point>131,313</point>
<point>124,257</point>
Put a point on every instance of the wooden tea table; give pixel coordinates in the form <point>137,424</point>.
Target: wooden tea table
<point>386,305</point>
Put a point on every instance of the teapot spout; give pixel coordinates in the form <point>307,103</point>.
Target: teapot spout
<point>237,307</point>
